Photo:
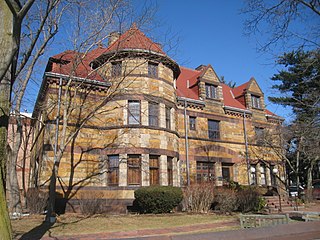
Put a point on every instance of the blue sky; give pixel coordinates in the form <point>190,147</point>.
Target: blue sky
<point>211,32</point>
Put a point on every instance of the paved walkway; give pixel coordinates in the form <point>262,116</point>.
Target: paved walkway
<point>292,231</point>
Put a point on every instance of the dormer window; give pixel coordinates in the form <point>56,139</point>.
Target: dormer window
<point>211,91</point>
<point>116,69</point>
<point>255,101</point>
<point>152,69</point>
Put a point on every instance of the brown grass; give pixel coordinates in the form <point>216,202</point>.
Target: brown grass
<point>70,224</point>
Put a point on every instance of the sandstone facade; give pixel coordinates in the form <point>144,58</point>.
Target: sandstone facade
<point>126,112</point>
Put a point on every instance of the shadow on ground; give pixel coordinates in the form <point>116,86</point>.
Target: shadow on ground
<point>37,232</point>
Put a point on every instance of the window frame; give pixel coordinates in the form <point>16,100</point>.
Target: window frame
<point>153,114</point>
<point>115,168</point>
<point>213,133</point>
<point>154,170</point>
<point>134,168</point>
<point>263,175</point>
<point>227,167</point>
<point>153,69</point>
<point>168,117</point>
<point>170,170</point>
<point>256,101</point>
<point>192,123</point>
<point>201,171</point>
<point>253,175</point>
<point>259,135</point>
<point>137,121</point>
<point>211,91</point>
<point>116,69</point>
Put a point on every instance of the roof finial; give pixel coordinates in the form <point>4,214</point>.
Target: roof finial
<point>134,26</point>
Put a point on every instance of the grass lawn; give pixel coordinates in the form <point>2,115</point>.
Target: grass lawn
<point>32,227</point>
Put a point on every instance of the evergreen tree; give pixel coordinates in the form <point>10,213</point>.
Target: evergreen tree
<point>300,84</point>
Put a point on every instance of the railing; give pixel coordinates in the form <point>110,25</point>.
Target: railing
<point>311,216</point>
<point>256,220</point>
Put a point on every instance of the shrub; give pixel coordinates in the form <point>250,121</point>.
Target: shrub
<point>226,200</point>
<point>198,197</point>
<point>249,199</point>
<point>36,200</point>
<point>157,199</point>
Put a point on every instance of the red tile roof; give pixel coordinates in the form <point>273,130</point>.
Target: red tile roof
<point>238,91</point>
<point>229,94</point>
<point>182,81</point>
<point>76,64</point>
<point>134,39</point>
<point>66,62</point>
<point>228,97</point>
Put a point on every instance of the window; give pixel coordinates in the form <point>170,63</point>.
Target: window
<point>113,170</point>
<point>153,114</point>
<point>227,171</point>
<point>211,91</point>
<point>170,170</point>
<point>116,69</point>
<point>259,135</point>
<point>192,123</point>
<point>213,129</point>
<point>273,175</point>
<point>152,69</point>
<point>168,118</point>
<point>154,169</point>
<point>253,175</point>
<point>134,170</point>
<point>134,112</point>
<point>205,172</point>
<point>255,101</point>
<point>263,179</point>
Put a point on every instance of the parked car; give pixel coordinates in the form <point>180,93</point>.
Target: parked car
<point>294,192</point>
<point>316,189</point>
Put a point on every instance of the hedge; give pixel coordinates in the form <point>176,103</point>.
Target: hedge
<point>157,199</point>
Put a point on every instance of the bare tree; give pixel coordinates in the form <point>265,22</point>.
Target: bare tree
<point>77,103</point>
<point>39,27</point>
<point>291,23</point>
<point>12,13</point>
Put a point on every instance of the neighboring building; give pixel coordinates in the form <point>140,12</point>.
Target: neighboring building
<point>122,123</point>
<point>23,159</point>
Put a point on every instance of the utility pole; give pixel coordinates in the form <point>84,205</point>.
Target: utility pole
<point>186,142</point>
<point>246,146</point>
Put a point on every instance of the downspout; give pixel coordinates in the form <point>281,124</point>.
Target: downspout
<point>246,146</point>
<point>186,142</point>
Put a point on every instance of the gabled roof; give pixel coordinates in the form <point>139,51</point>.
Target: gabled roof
<point>229,94</point>
<point>134,39</point>
<point>182,83</point>
<point>75,64</point>
<point>228,98</point>
<point>240,90</point>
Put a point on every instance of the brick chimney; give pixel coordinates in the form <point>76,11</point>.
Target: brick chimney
<point>114,36</point>
<point>201,67</point>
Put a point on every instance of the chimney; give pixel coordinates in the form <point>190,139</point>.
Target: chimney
<point>201,67</point>
<point>114,36</point>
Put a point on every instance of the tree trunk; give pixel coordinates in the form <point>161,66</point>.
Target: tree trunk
<point>6,42</point>
<point>309,183</point>
<point>13,189</point>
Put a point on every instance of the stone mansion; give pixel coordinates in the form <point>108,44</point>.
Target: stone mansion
<point>126,115</point>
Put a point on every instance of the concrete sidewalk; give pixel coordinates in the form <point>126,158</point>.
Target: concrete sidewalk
<point>291,231</point>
